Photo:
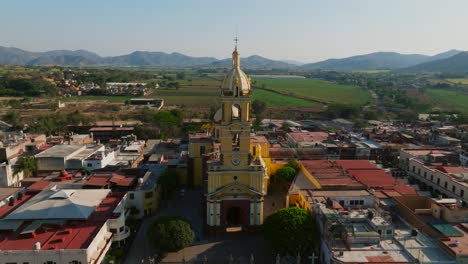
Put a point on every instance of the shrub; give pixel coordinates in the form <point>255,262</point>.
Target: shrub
<point>286,174</point>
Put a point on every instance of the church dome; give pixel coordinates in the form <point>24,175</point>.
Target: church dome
<point>236,81</point>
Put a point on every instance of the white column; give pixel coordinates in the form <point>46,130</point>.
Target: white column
<point>258,213</point>
<point>210,216</point>
<point>252,211</point>
<point>218,213</point>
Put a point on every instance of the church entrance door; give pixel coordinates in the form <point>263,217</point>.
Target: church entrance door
<point>233,216</point>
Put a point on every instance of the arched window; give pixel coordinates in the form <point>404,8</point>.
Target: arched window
<point>236,112</point>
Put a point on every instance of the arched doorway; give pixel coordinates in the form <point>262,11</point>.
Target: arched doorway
<point>233,216</point>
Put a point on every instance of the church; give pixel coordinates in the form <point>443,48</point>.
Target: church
<point>237,178</point>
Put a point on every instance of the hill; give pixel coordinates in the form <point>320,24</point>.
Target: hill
<point>456,63</point>
<point>376,61</point>
<point>15,56</point>
<point>252,62</point>
<point>156,59</point>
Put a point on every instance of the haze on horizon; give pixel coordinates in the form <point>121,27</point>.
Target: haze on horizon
<point>302,30</point>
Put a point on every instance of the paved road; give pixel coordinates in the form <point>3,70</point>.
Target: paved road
<point>189,207</point>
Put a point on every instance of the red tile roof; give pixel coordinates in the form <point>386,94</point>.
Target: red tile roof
<point>72,235</point>
<point>38,186</point>
<point>356,164</point>
<point>121,180</point>
<point>453,169</point>
<point>6,209</point>
<point>391,193</point>
<point>374,178</point>
<point>98,181</point>
<point>405,190</point>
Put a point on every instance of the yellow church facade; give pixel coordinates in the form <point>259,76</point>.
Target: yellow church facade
<point>237,179</point>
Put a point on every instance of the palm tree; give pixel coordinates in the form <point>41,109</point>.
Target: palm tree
<point>27,165</point>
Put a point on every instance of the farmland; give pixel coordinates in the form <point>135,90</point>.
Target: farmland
<point>449,99</point>
<point>458,80</point>
<point>273,99</point>
<point>318,90</point>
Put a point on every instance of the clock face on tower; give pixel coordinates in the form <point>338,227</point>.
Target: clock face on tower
<point>235,161</point>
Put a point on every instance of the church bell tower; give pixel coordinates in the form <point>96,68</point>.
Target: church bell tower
<point>237,179</point>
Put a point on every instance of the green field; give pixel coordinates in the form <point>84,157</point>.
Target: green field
<point>97,98</point>
<point>322,91</point>
<point>458,80</point>
<point>201,97</point>
<point>273,99</point>
<point>449,99</point>
<point>370,71</point>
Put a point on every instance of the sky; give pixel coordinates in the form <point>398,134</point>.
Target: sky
<point>301,30</point>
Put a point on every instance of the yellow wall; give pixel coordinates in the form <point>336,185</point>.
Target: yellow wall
<point>182,176</point>
<point>197,160</point>
<point>273,167</point>
<point>152,202</point>
<point>299,200</point>
<point>221,178</point>
<point>310,177</point>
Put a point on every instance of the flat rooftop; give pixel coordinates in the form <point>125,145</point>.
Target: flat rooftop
<point>88,151</point>
<point>374,256</point>
<point>458,245</point>
<point>56,235</point>
<point>307,136</point>
<point>60,151</point>
<point>60,204</point>
<point>324,193</point>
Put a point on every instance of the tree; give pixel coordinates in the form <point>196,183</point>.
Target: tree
<point>294,164</point>
<point>168,234</point>
<point>12,117</point>
<point>286,174</point>
<point>180,75</point>
<point>27,165</point>
<point>370,115</point>
<point>291,231</point>
<point>342,111</point>
<point>258,108</point>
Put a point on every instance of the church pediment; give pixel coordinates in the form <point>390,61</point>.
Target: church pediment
<point>235,188</point>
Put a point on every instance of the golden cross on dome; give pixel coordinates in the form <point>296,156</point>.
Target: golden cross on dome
<point>236,39</point>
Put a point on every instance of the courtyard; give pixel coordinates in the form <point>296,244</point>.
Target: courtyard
<point>241,246</point>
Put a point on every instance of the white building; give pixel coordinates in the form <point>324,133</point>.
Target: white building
<point>60,157</point>
<point>443,180</point>
<point>63,226</point>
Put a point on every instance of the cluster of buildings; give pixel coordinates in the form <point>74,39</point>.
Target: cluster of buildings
<point>390,193</point>
<point>68,84</point>
<point>75,206</point>
<point>133,88</point>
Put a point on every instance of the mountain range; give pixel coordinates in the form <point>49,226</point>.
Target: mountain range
<point>377,61</point>
<point>452,60</point>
